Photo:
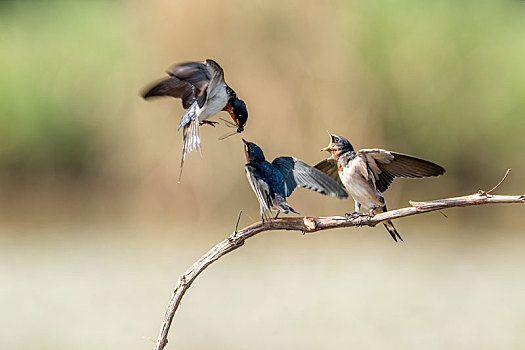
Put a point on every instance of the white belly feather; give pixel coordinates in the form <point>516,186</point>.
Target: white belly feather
<point>214,104</point>
<point>359,187</point>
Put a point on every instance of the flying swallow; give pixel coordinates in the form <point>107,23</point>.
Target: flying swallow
<point>204,93</point>
<point>273,182</point>
<point>368,172</point>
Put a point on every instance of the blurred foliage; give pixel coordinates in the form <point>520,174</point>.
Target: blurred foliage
<point>443,76</point>
<point>446,76</point>
<point>443,81</point>
<point>57,61</point>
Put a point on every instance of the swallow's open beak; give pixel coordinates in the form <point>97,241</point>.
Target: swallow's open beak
<point>329,147</point>
<point>245,142</point>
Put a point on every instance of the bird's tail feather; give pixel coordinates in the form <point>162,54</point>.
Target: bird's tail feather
<point>191,140</point>
<point>392,230</point>
<point>388,225</point>
<point>190,114</point>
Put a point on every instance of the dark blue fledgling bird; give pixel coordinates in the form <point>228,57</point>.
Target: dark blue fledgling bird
<point>368,172</point>
<point>273,182</point>
<point>204,93</point>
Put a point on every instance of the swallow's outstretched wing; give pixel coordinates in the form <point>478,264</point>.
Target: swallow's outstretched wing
<point>298,173</point>
<point>386,165</point>
<point>174,87</point>
<point>188,81</point>
<point>329,167</point>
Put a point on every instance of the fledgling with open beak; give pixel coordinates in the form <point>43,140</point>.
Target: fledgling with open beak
<point>273,182</point>
<point>368,172</point>
<point>204,93</point>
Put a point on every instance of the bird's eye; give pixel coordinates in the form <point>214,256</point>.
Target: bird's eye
<point>336,139</point>
<point>251,148</point>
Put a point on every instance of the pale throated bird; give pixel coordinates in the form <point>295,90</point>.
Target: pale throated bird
<point>368,172</point>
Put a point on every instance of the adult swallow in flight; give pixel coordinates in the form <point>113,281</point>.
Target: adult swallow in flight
<point>273,182</point>
<point>204,93</point>
<point>368,172</point>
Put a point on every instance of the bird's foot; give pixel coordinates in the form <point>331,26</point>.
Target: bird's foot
<point>209,122</point>
<point>353,215</point>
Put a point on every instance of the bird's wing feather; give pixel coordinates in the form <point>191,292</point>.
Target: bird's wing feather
<point>329,167</point>
<point>174,87</point>
<point>298,173</point>
<point>197,74</point>
<point>386,166</point>
<point>188,81</point>
<point>214,69</point>
<point>260,188</point>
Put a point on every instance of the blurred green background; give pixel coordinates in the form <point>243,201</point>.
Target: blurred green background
<point>95,229</point>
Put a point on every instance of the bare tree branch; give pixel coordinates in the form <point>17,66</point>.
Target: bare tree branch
<point>312,224</point>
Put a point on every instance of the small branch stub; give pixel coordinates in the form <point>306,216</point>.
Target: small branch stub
<point>310,224</point>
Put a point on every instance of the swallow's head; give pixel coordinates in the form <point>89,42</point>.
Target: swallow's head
<point>238,112</point>
<point>252,152</point>
<point>338,145</point>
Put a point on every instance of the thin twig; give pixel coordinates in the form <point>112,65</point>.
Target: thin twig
<point>307,225</point>
<point>501,181</point>
<point>237,224</point>
<point>150,339</point>
<point>238,219</point>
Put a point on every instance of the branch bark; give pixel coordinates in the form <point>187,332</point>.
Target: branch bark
<point>313,224</point>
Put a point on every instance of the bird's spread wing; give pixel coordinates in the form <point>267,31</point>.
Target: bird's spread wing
<point>195,73</point>
<point>199,74</point>
<point>386,165</point>
<point>188,81</point>
<point>174,87</point>
<point>329,167</point>
<point>297,173</point>
<point>260,188</point>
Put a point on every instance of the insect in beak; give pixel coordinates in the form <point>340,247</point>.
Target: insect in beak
<point>223,137</point>
<point>229,123</point>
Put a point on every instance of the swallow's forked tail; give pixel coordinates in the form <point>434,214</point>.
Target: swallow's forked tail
<point>389,225</point>
<point>191,140</point>
<point>392,230</point>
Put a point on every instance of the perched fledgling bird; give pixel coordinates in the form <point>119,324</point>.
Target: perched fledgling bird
<point>368,172</point>
<point>273,182</point>
<point>204,93</point>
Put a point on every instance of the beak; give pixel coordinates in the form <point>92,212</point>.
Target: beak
<point>329,147</point>
<point>245,142</point>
